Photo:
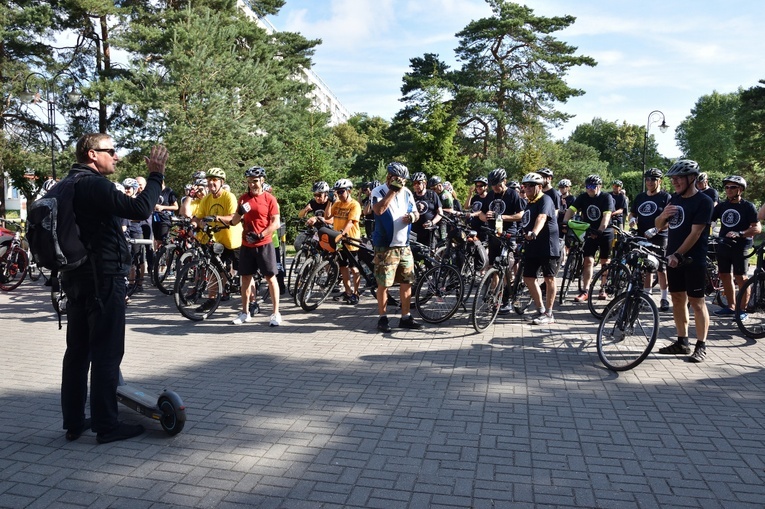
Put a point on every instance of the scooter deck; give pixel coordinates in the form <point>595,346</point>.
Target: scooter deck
<point>138,400</point>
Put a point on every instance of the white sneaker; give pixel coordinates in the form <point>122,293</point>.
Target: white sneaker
<point>241,318</point>
<point>276,320</point>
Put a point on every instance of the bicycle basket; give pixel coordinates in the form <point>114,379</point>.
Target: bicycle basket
<point>579,228</point>
<point>328,239</point>
<point>299,240</point>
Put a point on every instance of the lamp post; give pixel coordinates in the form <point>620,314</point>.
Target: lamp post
<point>48,88</point>
<point>653,117</point>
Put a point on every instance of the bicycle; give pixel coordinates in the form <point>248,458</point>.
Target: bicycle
<point>611,279</point>
<point>205,278</point>
<point>630,324</point>
<point>490,293</point>
<point>572,270</point>
<point>134,280</point>
<point>750,299</point>
<point>173,253</point>
<point>14,262</point>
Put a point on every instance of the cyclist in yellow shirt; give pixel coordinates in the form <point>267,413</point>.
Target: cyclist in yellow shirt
<point>345,215</point>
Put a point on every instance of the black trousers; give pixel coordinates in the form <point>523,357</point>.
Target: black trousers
<point>95,340</point>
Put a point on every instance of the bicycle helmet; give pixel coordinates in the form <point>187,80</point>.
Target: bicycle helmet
<point>254,171</point>
<point>267,188</point>
<point>593,180</point>
<point>48,185</point>
<point>617,183</point>
<point>374,183</point>
<point>216,173</point>
<point>564,183</point>
<point>434,181</point>
<point>419,177</point>
<point>481,180</point>
<point>320,187</point>
<point>702,177</point>
<point>513,185</point>
<point>119,187</point>
<point>343,184</point>
<point>684,167</point>
<point>497,176</point>
<point>200,182</point>
<point>545,172</point>
<point>533,178</point>
<point>199,175</point>
<point>188,187</point>
<point>398,170</point>
<point>448,187</point>
<point>130,182</point>
<point>735,179</point>
<point>653,173</point>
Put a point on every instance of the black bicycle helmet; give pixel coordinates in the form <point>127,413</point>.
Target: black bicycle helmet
<point>593,180</point>
<point>513,185</point>
<point>434,181</point>
<point>255,171</point>
<point>684,167</point>
<point>481,180</point>
<point>617,183</point>
<point>320,187</point>
<point>545,172</point>
<point>653,173</point>
<point>398,170</point>
<point>419,177</point>
<point>735,179</point>
<point>497,176</point>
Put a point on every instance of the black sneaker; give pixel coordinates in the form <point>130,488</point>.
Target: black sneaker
<point>123,432</point>
<point>74,433</point>
<point>383,325</point>
<point>676,348</point>
<point>699,353</point>
<point>409,323</point>
<point>206,306</point>
<point>664,305</point>
<point>254,308</point>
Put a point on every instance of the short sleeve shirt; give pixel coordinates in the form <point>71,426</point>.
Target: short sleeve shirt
<point>646,208</point>
<point>223,205</point>
<point>592,208</point>
<point>507,203</point>
<point>694,210</point>
<point>546,244</point>
<point>258,213</point>
<point>390,229</point>
<point>735,217</point>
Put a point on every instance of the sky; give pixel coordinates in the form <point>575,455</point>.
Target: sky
<point>652,54</point>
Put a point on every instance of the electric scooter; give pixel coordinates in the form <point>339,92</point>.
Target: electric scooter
<point>168,409</point>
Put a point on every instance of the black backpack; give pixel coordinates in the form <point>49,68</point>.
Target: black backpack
<point>52,231</point>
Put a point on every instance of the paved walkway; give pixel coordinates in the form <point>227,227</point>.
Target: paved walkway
<point>325,412</point>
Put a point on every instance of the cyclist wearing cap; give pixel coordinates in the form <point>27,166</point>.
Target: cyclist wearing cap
<point>688,216</point>
<point>596,208</point>
<point>702,184</point>
<point>645,209</point>
<point>474,204</point>
<point>258,212</point>
<point>345,215</point>
<point>437,185</point>
<point>395,211</point>
<point>621,202</point>
<point>428,207</point>
<point>738,224</point>
<point>318,207</point>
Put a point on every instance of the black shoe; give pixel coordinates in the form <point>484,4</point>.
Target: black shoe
<point>383,325</point>
<point>225,297</point>
<point>664,305</point>
<point>676,348</point>
<point>409,323</point>
<point>123,432</point>
<point>254,308</point>
<point>206,306</point>
<point>74,433</point>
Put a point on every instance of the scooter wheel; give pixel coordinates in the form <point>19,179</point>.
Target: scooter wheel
<point>173,419</point>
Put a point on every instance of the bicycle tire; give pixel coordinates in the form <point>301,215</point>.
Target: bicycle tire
<point>569,272</point>
<point>488,299</point>
<point>753,326</point>
<point>319,284</point>
<point>438,293</point>
<point>627,331</point>
<point>135,270</point>
<point>13,267</point>
<point>297,261</point>
<point>196,280</point>
<point>617,279</point>
<point>34,271</point>
<point>165,268</point>
<point>521,297</point>
<point>303,272</point>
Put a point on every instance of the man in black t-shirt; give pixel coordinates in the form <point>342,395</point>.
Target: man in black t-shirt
<point>688,216</point>
<point>702,184</point>
<point>429,207</point>
<point>738,224</point>
<point>596,208</point>
<point>621,203</point>
<point>474,205</point>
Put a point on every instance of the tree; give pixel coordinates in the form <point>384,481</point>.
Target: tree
<point>707,134</point>
<point>750,138</point>
<point>513,73</point>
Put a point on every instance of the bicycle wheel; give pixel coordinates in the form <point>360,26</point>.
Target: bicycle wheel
<point>301,276</point>
<point>603,289</point>
<point>570,270</point>
<point>198,289</point>
<point>488,299</point>
<point>13,268</point>
<point>438,293</point>
<point>319,284</point>
<point>753,324</point>
<point>297,261</point>
<point>628,331</point>
<point>34,271</point>
<point>167,263</point>
<point>521,297</point>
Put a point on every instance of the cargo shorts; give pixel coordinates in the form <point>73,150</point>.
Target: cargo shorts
<point>394,265</point>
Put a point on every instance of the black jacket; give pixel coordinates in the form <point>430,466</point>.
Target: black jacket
<point>98,207</point>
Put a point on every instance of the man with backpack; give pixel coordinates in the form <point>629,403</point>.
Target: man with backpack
<point>95,336</point>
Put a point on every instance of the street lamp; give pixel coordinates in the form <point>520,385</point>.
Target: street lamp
<point>653,117</point>
<point>72,96</point>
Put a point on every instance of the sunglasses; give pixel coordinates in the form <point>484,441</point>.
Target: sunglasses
<point>731,187</point>
<point>591,187</point>
<point>480,184</point>
<point>341,190</point>
<point>529,185</point>
<point>318,195</point>
<point>109,151</point>
<point>653,179</point>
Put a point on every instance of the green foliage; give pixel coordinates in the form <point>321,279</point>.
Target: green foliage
<point>750,139</point>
